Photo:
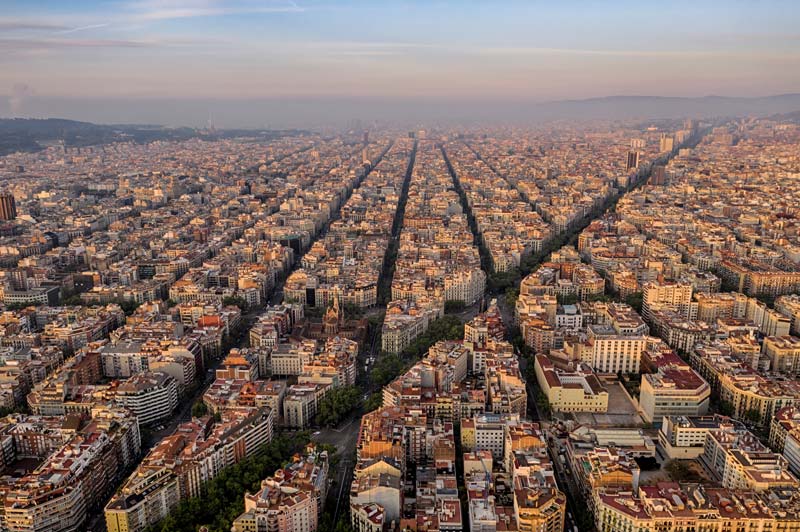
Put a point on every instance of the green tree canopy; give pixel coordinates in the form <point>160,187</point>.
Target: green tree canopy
<point>337,404</point>
<point>222,499</point>
<point>199,409</point>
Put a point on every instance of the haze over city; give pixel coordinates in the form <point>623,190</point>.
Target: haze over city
<point>248,63</point>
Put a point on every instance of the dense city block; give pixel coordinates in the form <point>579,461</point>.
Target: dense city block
<point>580,326</point>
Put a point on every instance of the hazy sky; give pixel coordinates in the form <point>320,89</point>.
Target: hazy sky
<point>201,50</point>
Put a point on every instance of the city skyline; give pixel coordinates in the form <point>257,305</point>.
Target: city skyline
<point>203,60</point>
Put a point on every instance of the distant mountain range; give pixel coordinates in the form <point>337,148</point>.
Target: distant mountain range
<point>625,107</point>
<point>793,117</point>
<point>31,134</point>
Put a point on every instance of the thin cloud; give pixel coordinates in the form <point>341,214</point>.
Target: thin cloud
<point>26,45</point>
<point>155,11</point>
<point>378,47</point>
<point>82,28</point>
<point>357,48</point>
<point>365,53</point>
<point>373,44</point>
<point>534,50</point>
<point>744,38</point>
<point>26,25</point>
<point>679,54</point>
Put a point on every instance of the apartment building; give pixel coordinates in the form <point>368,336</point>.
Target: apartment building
<point>178,466</point>
<point>79,462</point>
<point>684,437</point>
<point>301,403</point>
<point>741,462</point>
<point>406,320</point>
<point>578,391</point>
<point>151,396</point>
<point>789,306</point>
<point>291,500</point>
<point>675,389</point>
<point>783,353</point>
<point>609,352</point>
<point>662,295</point>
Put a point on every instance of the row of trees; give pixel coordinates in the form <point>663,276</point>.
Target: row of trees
<point>386,368</point>
<point>17,409</point>
<point>352,311</point>
<point>75,300</point>
<point>326,524</point>
<point>337,404</point>
<point>222,498</point>
<point>373,402</point>
<point>632,383</point>
<point>21,306</point>
<point>483,251</point>
<point>451,306</point>
<point>199,409</point>
<point>390,257</point>
<point>682,471</point>
<point>235,301</point>
<point>726,408</point>
<point>445,328</point>
<point>542,402</point>
<point>387,272</point>
<point>390,365</point>
<point>499,282</point>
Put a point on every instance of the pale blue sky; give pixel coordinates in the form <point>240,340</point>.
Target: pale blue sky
<point>529,51</point>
